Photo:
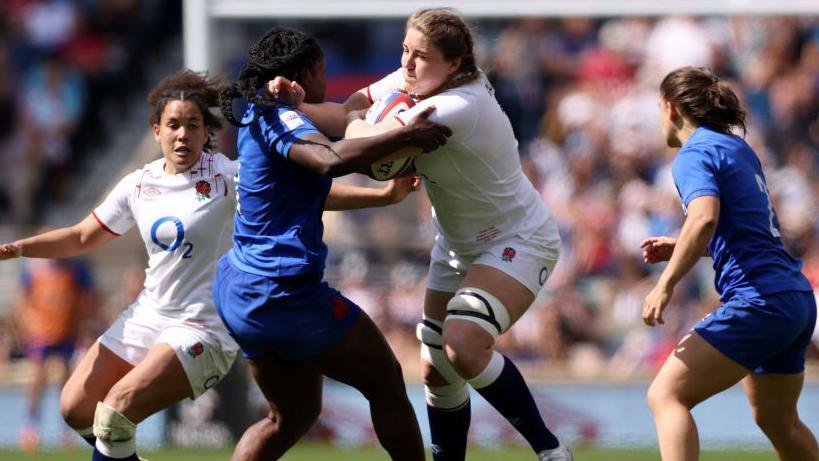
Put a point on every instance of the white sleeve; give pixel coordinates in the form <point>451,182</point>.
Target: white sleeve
<point>389,84</point>
<point>227,169</point>
<point>115,213</point>
<point>452,109</point>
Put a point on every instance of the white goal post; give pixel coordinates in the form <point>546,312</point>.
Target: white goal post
<point>197,14</point>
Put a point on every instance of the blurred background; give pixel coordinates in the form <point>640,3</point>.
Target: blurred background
<point>582,94</point>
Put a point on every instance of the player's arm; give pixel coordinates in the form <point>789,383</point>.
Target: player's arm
<point>348,197</point>
<point>316,153</point>
<point>66,242</point>
<point>329,117</point>
<point>696,232</point>
<point>358,128</point>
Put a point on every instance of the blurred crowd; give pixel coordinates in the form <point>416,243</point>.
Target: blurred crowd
<point>583,97</point>
<point>65,63</point>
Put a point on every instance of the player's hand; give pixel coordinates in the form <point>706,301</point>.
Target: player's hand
<point>655,303</point>
<point>656,249</point>
<point>10,250</point>
<point>425,134</point>
<point>397,189</point>
<point>282,89</point>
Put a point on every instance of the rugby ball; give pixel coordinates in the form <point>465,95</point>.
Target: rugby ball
<point>389,106</point>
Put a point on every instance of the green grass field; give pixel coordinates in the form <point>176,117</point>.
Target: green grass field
<point>322,453</point>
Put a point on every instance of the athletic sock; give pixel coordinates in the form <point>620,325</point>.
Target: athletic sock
<point>448,429</point>
<point>88,435</point>
<point>115,451</point>
<point>502,385</point>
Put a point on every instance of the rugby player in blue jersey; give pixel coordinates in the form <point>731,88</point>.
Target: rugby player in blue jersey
<point>269,290</point>
<point>759,333</point>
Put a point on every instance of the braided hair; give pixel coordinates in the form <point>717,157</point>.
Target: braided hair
<point>702,97</point>
<point>280,52</point>
<point>187,86</point>
<point>450,34</point>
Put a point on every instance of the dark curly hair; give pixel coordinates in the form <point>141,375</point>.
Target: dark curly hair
<point>701,96</point>
<point>281,52</point>
<point>188,86</point>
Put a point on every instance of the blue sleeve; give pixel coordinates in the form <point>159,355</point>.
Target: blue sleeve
<point>695,174</point>
<point>281,128</point>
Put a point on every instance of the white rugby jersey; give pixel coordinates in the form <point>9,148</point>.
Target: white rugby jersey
<point>475,182</point>
<point>185,222</point>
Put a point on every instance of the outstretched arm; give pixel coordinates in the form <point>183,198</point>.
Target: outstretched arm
<point>65,242</point>
<point>347,197</point>
<point>328,117</point>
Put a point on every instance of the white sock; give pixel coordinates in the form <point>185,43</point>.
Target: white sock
<point>119,450</point>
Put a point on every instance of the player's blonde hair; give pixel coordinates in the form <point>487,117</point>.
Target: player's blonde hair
<point>450,34</point>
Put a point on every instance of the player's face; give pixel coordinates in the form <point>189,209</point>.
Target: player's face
<point>181,134</point>
<point>314,82</point>
<point>425,68</point>
<point>667,126</point>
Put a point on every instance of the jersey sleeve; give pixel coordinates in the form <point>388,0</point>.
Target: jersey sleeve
<point>389,84</point>
<point>115,213</point>
<point>281,129</point>
<point>695,174</point>
<point>227,169</point>
<point>452,110</point>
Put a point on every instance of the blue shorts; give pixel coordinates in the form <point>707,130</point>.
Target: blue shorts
<point>768,334</point>
<point>294,318</point>
<point>38,353</point>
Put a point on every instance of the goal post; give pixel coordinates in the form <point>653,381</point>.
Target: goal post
<point>198,14</point>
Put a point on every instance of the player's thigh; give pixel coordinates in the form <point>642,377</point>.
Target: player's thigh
<point>291,388</point>
<point>89,383</point>
<point>693,372</point>
<point>152,385</point>
<point>435,303</point>
<point>773,397</point>
<point>514,295</point>
<point>362,358</point>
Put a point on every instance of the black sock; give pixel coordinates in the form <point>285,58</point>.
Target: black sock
<point>449,428</point>
<point>510,395</point>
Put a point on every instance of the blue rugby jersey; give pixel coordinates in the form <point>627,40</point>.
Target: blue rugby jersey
<point>749,258</point>
<point>277,227</point>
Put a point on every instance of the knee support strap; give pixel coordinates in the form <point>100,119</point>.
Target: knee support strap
<point>481,307</point>
<point>111,425</point>
<point>429,332</point>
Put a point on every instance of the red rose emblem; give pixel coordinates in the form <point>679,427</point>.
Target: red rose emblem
<point>196,350</point>
<point>508,254</point>
<point>203,188</point>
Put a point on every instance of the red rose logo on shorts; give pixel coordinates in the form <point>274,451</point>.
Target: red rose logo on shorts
<point>202,190</point>
<point>196,350</point>
<point>508,254</point>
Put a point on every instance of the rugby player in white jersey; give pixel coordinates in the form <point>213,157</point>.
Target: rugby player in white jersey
<point>497,242</point>
<point>170,343</point>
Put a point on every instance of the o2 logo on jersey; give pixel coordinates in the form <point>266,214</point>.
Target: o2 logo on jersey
<point>165,227</point>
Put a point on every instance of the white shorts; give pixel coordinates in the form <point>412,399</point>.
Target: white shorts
<point>205,349</point>
<point>530,261</point>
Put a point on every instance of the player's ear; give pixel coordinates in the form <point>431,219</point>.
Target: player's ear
<point>454,65</point>
<point>155,127</point>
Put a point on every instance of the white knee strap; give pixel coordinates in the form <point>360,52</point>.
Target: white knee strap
<point>447,397</point>
<point>111,425</point>
<point>481,307</point>
<point>432,343</point>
